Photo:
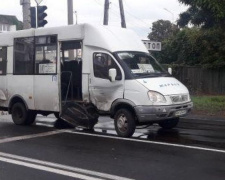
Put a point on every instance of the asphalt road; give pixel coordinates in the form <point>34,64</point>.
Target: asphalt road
<point>45,152</point>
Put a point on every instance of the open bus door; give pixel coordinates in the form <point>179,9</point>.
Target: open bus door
<point>73,109</point>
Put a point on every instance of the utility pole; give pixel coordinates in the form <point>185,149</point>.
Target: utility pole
<point>70,11</point>
<point>106,13</point>
<point>123,21</point>
<point>26,14</point>
<point>70,21</point>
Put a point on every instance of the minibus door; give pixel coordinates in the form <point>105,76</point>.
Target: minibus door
<point>102,90</point>
<point>73,110</point>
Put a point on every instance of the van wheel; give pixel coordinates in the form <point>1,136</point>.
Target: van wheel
<point>124,123</point>
<point>19,114</point>
<point>169,124</point>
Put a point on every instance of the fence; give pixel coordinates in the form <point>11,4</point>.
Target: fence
<point>202,81</point>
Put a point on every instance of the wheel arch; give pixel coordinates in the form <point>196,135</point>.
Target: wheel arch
<point>14,99</point>
<point>122,104</point>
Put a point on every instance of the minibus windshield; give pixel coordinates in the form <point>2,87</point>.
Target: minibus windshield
<point>141,64</point>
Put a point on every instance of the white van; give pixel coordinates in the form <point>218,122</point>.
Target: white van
<point>80,71</point>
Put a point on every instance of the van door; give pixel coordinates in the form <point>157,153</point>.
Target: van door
<point>46,91</point>
<point>102,91</point>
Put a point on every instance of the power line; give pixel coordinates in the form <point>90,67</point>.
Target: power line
<point>130,14</point>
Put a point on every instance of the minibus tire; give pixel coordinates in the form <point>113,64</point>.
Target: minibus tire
<point>124,123</point>
<point>169,123</point>
<point>19,113</point>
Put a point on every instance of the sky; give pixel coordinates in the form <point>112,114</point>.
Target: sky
<point>139,14</point>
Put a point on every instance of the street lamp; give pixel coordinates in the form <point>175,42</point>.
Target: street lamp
<point>75,12</point>
<point>170,13</point>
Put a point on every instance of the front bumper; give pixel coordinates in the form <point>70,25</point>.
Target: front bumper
<point>151,114</point>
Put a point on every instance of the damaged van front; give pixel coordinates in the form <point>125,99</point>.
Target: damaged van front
<point>155,96</point>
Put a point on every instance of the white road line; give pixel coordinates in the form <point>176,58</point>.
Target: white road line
<point>62,167</point>
<point>149,142</point>
<point>18,138</point>
<point>48,169</point>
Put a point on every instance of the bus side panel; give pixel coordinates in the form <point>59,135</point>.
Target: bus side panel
<point>21,85</point>
<point>46,92</point>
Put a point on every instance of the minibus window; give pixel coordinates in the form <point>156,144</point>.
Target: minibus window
<point>24,56</point>
<point>45,55</point>
<point>141,64</point>
<point>45,61</point>
<point>102,63</point>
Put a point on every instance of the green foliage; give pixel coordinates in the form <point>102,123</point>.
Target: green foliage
<point>203,13</point>
<point>203,44</point>
<point>162,30</point>
<point>181,48</point>
<point>194,46</point>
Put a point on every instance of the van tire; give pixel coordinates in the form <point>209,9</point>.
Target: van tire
<point>21,116</point>
<point>169,123</point>
<point>124,123</point>
<point>19,113</point>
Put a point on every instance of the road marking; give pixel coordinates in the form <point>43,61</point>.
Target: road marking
<point>52,167</point>
<point>48,169</point>
<point>149,142</point>
<point>19,138</point>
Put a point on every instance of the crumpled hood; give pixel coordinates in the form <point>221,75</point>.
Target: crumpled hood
<point>164,85</point>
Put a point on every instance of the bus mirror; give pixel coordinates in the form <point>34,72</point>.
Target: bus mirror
<point>112,74</point>
<point>170,70</point>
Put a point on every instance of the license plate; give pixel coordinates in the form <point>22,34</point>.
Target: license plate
<point>180,113</point>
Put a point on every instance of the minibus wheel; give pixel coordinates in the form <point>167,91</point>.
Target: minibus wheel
<point>124,123</point>
<point>19,113</point>
<point>169,123</point>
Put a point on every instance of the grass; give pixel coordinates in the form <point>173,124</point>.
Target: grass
<point>209,105</point>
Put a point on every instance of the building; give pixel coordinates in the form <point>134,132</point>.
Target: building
<point>9,23</point>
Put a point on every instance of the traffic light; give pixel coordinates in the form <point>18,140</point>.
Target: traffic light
<point>33,17</point>
<point>41,16</point>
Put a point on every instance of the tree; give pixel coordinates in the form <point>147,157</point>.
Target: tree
<point>203,13</point>
<point>194,46</point>
<point>162,30</point>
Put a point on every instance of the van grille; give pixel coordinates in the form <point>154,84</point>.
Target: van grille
<point>179,98</point>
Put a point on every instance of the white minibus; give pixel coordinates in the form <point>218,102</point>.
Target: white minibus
<point>79,72</point>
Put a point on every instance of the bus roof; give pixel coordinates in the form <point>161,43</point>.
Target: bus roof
<point>105,37</point>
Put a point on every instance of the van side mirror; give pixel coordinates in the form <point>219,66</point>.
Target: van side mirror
<point>170,70</point>
<point>112,74</point>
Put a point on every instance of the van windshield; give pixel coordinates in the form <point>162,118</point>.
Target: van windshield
<point>142,65</point>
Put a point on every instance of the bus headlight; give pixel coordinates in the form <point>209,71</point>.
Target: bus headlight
<point>156,97</point>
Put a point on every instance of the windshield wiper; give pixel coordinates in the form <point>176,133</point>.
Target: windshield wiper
<point>165,74</point>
